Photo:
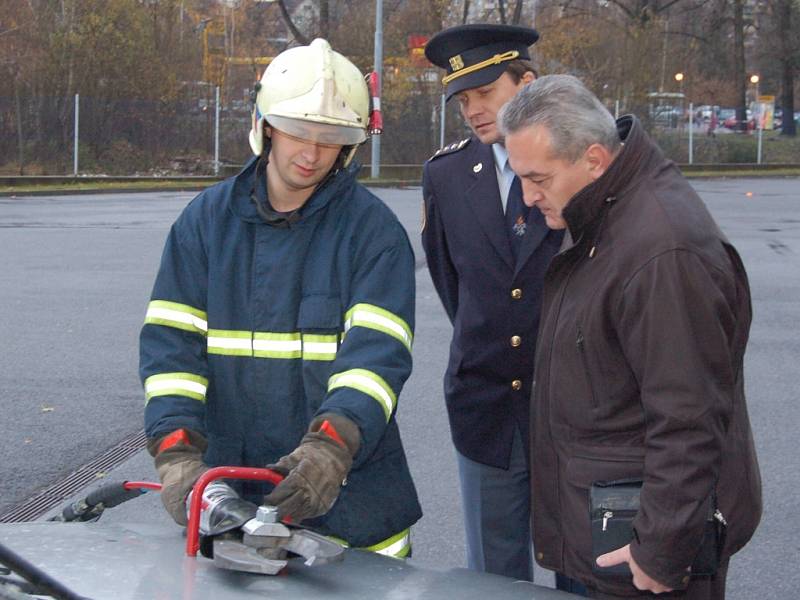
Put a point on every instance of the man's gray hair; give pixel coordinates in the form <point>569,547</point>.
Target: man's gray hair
<point>573,115</point>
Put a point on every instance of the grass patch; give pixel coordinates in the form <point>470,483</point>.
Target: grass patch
<point>739,173</point>
<point>696,171</point>
<point>723,148</point>
<point>101,186</point>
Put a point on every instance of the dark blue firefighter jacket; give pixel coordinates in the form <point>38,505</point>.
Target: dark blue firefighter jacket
<point>253,329</point>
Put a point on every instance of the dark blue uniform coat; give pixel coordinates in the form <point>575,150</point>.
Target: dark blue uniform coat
<point>492,301</point>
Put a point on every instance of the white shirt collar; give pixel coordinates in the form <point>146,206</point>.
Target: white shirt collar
<point>500,156</point>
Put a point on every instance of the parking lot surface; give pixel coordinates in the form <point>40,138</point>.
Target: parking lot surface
<point>74,284</point>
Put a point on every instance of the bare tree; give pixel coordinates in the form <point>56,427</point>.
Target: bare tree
<point>324,25</point>
<point>789,58</point>
<point>517,16</point>
<point>739,69</point>
<point>298,35</point>
<point>782,49</point>
<point>517,13</point>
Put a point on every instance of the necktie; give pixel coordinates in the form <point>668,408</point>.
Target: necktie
<point>516,216</point>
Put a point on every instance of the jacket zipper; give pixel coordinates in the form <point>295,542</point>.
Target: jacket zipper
<point>580,343</point>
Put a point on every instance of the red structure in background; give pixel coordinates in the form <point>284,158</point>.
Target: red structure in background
<point>416,50</point>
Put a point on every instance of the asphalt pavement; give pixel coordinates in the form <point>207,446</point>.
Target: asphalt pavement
<point>74,284</point>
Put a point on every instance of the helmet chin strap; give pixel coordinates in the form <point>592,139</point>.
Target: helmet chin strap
<point>346,156</point>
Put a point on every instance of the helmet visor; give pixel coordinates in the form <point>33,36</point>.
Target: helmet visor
<point>318,133</point>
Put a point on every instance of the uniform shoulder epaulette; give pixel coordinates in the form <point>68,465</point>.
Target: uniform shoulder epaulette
<point>449,149</point>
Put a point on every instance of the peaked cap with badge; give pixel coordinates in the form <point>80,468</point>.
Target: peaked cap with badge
<point>476,54</point>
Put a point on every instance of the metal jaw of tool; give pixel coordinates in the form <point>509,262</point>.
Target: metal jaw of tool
<point>267,545</point>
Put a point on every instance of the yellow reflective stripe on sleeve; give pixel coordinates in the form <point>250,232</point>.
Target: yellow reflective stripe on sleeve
<point>174,314</point>
<point>379,319</point>
<point>230,343</point>
<point>397,546</point>
<point>320,347</point>
<point>277,345</point>
<point>176,384</point>
<point>369,383</point>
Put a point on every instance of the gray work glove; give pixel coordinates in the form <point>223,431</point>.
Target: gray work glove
<point>315,471</point>
<point>178,467</point>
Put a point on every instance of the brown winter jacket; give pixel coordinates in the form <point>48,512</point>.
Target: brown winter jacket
<point>645,318</point>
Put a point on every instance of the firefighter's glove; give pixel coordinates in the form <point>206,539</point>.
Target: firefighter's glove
<point>315,471</point>
<point>179,463</point>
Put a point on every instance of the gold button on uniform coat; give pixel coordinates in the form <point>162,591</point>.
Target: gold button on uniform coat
<point>516,293</point>
<point>516,340</point>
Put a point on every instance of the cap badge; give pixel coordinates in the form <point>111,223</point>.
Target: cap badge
<point>477,168</point>
<point>456,62</point>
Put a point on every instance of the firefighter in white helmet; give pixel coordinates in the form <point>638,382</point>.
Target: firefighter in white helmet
<point>280,326</point>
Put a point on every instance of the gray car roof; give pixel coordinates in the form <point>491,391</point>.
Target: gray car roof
<point>126,561</point>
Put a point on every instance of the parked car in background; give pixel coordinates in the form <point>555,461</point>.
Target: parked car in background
<point>666,115</point>
<point>702,113</point>
<point>777,121</point>
<point>725,114</point>
<point>777,118</point>
<point>732,123</point>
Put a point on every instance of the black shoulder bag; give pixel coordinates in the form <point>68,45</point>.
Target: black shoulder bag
<point>613,506</point>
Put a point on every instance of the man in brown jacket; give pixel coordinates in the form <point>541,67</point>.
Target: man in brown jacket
<point>639,369</point>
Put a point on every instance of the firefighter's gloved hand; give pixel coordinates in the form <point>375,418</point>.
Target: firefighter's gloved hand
<point>179,463</point>
<point>316,469</point>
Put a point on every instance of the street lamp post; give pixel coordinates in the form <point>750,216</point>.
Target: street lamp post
<point>375,140</point>
<point>754,79</point>
<point>679,79</point>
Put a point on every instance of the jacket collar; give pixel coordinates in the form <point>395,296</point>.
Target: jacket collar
<point>250,185</point>
<point>637,156</point>
<point>482,194</point>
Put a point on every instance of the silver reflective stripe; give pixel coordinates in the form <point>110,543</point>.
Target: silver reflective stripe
<point>320,347</point>
<point>396,546</point>
<point>369,383</point>
<point>176,384</point>
<point>277,345</point>
<point>231,343</point>
<point>379,319</point>
<point>174,314</point>
<point>262,344</point>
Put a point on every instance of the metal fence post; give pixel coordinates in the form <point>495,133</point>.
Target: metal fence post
<point>75,143</point>
<point>216,134</point>
<point>691,132</point>
<point>760,132</point>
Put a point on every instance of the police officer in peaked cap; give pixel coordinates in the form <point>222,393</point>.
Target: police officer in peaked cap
<point>487,254</point>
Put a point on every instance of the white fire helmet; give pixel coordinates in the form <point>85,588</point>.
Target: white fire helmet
<point>313,93</point>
